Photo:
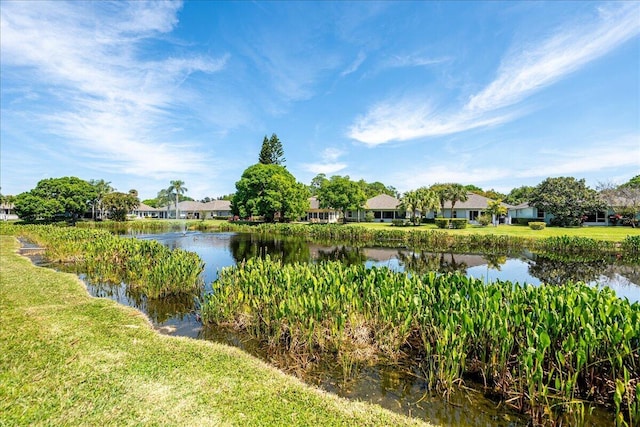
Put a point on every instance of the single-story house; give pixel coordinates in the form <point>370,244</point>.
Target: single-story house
<point>321,215</point>
<point>471,209</point>
<point>146,211</point>
<point>385,208</point>
<point>189,209</point>
<point>526,212</point>
<point>7,212</point>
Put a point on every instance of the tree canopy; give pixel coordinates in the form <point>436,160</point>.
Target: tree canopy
<point>419,202</point>
<point>451,192</point>
<point>519,195</point>
<point>119,204</point>
<point>340,193</point>
<point>270,191</point>
<point>567,199</point>
<point>56,198</point>
<point>271,152</point>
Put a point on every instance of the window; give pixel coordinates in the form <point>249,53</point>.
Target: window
<point>597,217</point>
<point>540,214</point>
<point>377,214</point>
<point>473,215</point>
<point>387,214</point>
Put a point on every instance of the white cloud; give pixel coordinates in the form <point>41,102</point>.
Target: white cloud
<point>329,164</point>
<point>521,74</point>
<point>353,67</point>
<point>84,62</point>
<point>413,60</point>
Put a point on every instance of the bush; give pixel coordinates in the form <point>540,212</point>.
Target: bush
<point>397,222</point>
<point>484,220</point>
<point>368,217</point>
<point>442,222</point>
<point>523,221</point>
<point>534,225</point>
<point>458,223</point>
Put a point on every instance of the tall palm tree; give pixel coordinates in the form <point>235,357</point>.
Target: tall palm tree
<point>456,193</point>
<point>102,188</point>
<point>441,192</point>
<point>177,187</point>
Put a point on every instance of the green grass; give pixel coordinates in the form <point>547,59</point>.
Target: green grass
<point>69,359</point>
<point>599,233</point>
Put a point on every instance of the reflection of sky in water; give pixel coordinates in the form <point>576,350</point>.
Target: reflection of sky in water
<point>514,270</point>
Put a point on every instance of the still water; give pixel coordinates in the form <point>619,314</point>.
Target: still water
<point>398,388</point>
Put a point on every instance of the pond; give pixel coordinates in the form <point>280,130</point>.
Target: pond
<point>396,387</point>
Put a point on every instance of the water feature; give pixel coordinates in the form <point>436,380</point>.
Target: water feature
<point>396,387</point>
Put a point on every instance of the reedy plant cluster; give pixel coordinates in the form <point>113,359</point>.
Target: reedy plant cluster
<point>543,349</point>
<point>145,265</point>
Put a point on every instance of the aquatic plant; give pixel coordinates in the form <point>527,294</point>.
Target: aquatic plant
<point>145,265</point>
<point>545,349</point>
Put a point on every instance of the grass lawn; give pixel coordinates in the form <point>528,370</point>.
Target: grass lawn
<point>69,359</point>
<point>601,233</point>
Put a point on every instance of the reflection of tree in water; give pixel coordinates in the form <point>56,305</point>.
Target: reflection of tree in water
<point>425,262</point>
<point>347,255</point>
<point>287,250</point>
<point>559,272</point>
<point>495,261</point>
<point>159,310</point>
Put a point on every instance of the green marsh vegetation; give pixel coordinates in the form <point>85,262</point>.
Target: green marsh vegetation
<point>546,350</point>
<point>145,265</point>
<point>69,359</point>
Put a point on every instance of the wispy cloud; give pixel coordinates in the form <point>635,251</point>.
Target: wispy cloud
<point>595,156</point>
<point>523,72</point>
<point>413,60</point>
<point>98,93</point>
<point>353,67</point>
<point>329,163</point>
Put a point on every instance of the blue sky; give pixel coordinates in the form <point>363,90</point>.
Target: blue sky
<point>495,94</point>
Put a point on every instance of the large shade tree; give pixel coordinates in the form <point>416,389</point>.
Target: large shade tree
<point>340,193</point>
<point>56,198</point>
<point>567,199</point>
<point>119,204</point>
<point>270,191</point>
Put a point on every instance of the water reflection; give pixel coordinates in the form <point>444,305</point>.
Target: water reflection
<point>397,388</point>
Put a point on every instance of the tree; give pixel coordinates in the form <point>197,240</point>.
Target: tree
<point>56,198</point>
<point>623,199</point>
<point>567,199</point>
<point>456,193</point>
<point>421,201</point>
<point>495,208</point>
<point>272,152</point>
<point>519,195</point>
<point>341,193</point>
<point>373,189</point>
<point>176,189</point>
<point>119,204</point>
<point>102,188</point>
<point>270,191</point>
<point>440,191</point>
<point>316,183</point>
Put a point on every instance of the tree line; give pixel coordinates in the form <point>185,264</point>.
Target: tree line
<point>269,191</point>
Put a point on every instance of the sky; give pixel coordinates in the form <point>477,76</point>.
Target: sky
<point>494,94</point>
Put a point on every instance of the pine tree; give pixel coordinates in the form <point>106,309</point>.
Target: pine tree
<point>272,152</point>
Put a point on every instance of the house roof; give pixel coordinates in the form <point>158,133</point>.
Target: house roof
<point>217,205</point>
<point>474,201</point>
<point>382,201</point>
<point>142,207</point>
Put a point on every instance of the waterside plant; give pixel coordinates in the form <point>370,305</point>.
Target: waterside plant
<point>145,265</point>
<point>545,350</point>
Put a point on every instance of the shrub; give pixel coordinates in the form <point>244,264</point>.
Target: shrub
<point>523,221</point>
<point>484,220</point>
<point>534,225</point>
<point>458,223</point>
<point>442,222</point>
<point>368,217</point>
